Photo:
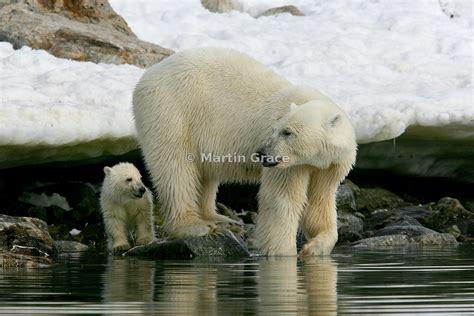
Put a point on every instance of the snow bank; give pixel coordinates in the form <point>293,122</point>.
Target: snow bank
<point>52,101</point>
<point>390,64</point>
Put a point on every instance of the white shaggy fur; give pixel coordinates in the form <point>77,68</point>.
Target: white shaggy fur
<point>127,207</point>
<point>219,101</point>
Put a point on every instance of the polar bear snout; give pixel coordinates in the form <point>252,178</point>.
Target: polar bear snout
<point>140,192</point>
<point>265,159</point>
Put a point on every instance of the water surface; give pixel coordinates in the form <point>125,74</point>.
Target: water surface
<point>396,281</point>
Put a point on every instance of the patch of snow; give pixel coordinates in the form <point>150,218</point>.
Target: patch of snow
<point>74,232</point>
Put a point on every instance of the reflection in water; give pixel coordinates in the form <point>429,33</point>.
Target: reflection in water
<point>129,280</point>
<point>350,282</point>
<point>320,276</point>
<point>286,290</point>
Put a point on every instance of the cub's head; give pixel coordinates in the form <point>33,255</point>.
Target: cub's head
<point>316,133</point>
<point>125,179</point>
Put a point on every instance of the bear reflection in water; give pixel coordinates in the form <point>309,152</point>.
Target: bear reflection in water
<point>274,285</point>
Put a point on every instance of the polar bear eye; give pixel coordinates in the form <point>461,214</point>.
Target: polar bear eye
<point>286,132</point>
<point>129,179</point>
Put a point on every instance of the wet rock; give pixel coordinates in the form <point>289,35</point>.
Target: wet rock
<point>349,227</point>
<point>83,30</point>
<point>61,246</point>
<point>227,211</point>
<point>446,213</point>
<point>18,261</point>
<point>439,240</point>
<point>221,6</point>
<point>454,230</point>
<point>369,200</point>
<point>408,215</point>
<point>226,244</point>
<point>291,9</point>
<point>25,235</point>
<point>467,228</point>
<point>249,237</point>
<point>248,217</point>
<point>407,230</point>
<point>345,200</point>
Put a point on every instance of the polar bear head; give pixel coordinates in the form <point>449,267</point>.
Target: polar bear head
<point>316,133</point>
<point>124,180</point>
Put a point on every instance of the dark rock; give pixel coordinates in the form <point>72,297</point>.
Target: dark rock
<point>467,228</point>
<point>345,200</point>
<point>454,230</point>
<point>249,237</point>
<point>83,30</point>
<point>408,215</point>
<point>446,213</point>
<point>349,227</point>
<point>227,211</point>
<point>291,9</point>
<point>66,206</point>
<point>221,6</point>
<point>61,246</point>
<point>345,235</point>
<point>225,244</point>
<point>369,200</point>
<point>19,261</point>
<point>62,202</point>
<point>25,235</point>
<point>439,240</point>
<point>248,217</point>
<point>407,230</point>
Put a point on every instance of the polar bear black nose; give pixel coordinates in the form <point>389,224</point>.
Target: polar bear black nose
<point>142,190</point>
<point>259,154</point>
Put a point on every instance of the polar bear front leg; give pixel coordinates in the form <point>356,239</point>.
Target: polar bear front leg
<point>117,239</point>
<point>319,221</point>
<point>282,197</point>
<point>145,228</point>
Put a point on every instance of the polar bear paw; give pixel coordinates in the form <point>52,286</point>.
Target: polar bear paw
<point>321,245</point>
<point>120,248</point>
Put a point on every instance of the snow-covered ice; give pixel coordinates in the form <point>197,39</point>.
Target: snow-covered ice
<point>390,64</point>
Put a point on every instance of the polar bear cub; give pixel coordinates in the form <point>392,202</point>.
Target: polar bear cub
<point>126,206</point>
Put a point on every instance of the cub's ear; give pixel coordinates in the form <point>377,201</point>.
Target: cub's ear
<point>334,120</point>
<point>293,107</point>
<point>107,170</point>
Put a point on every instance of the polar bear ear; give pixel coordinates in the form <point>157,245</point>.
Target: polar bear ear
<point>107,170</point>
<point>334,120</point>
<point>293,107</point>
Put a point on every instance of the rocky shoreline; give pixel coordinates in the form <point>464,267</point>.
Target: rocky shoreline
<point>47,219</point>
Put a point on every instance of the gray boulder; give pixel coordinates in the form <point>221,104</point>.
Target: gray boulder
<point>291,9</point>
<point>349,227</point>
<point>221,6</point>
<point>83,30</point>
<point>345,200</point>
<point>408,215</point>
<point>438,240</point>
<point>25,235</point>
<point>24,242</point>
<point>226,244</point>
<point>64,246</point>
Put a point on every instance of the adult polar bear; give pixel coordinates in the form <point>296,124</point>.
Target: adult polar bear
<point>221,102</point>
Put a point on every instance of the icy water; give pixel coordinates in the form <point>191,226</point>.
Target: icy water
<point>349,282</point>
